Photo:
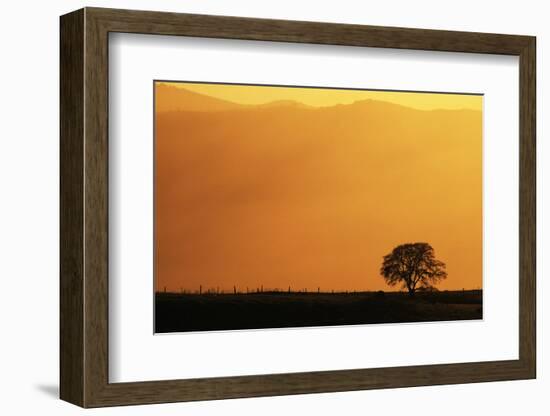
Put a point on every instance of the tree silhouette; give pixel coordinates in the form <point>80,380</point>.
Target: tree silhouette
<point>414,266</point>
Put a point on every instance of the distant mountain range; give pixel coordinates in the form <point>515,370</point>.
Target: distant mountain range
<point>171,98</point>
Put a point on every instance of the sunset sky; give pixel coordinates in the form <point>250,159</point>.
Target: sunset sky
<point>310,187</point>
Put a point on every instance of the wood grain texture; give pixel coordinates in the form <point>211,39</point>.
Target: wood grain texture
<point>96,217</point>
<point>527,207</point>
<point>84,207</point>
<point>162,23</point>
<point>71,213</point>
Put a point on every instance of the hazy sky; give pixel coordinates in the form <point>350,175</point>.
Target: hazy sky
<point>249,194</point>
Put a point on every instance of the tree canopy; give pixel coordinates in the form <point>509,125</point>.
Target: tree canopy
<point>414,266</point>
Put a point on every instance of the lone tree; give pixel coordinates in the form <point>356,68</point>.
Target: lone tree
<point>414,266</point>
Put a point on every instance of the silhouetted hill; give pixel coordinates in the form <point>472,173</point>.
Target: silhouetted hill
<point>180,313</point>
<point>171,98</point>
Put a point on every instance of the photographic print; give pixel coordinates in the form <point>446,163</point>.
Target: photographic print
<point>286,206</point>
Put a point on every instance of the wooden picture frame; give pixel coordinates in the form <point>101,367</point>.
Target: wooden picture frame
<point>84,207</point>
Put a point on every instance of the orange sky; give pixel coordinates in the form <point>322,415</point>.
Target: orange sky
<point>308,187</point>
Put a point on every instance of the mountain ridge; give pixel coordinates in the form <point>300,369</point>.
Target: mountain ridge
<point>176,99</point>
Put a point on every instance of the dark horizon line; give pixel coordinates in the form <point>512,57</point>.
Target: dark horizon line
<point>258,290</point>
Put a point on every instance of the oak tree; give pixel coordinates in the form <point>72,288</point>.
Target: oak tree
<point>414,266</point>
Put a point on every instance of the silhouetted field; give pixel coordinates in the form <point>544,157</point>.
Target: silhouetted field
<point>209,312</point>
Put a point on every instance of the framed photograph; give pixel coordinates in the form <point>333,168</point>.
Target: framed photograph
<point>254,207</point>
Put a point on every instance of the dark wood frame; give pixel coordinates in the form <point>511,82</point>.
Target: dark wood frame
<point>84,207</point>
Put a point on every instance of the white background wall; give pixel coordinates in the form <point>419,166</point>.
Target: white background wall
<point>30,193</point>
